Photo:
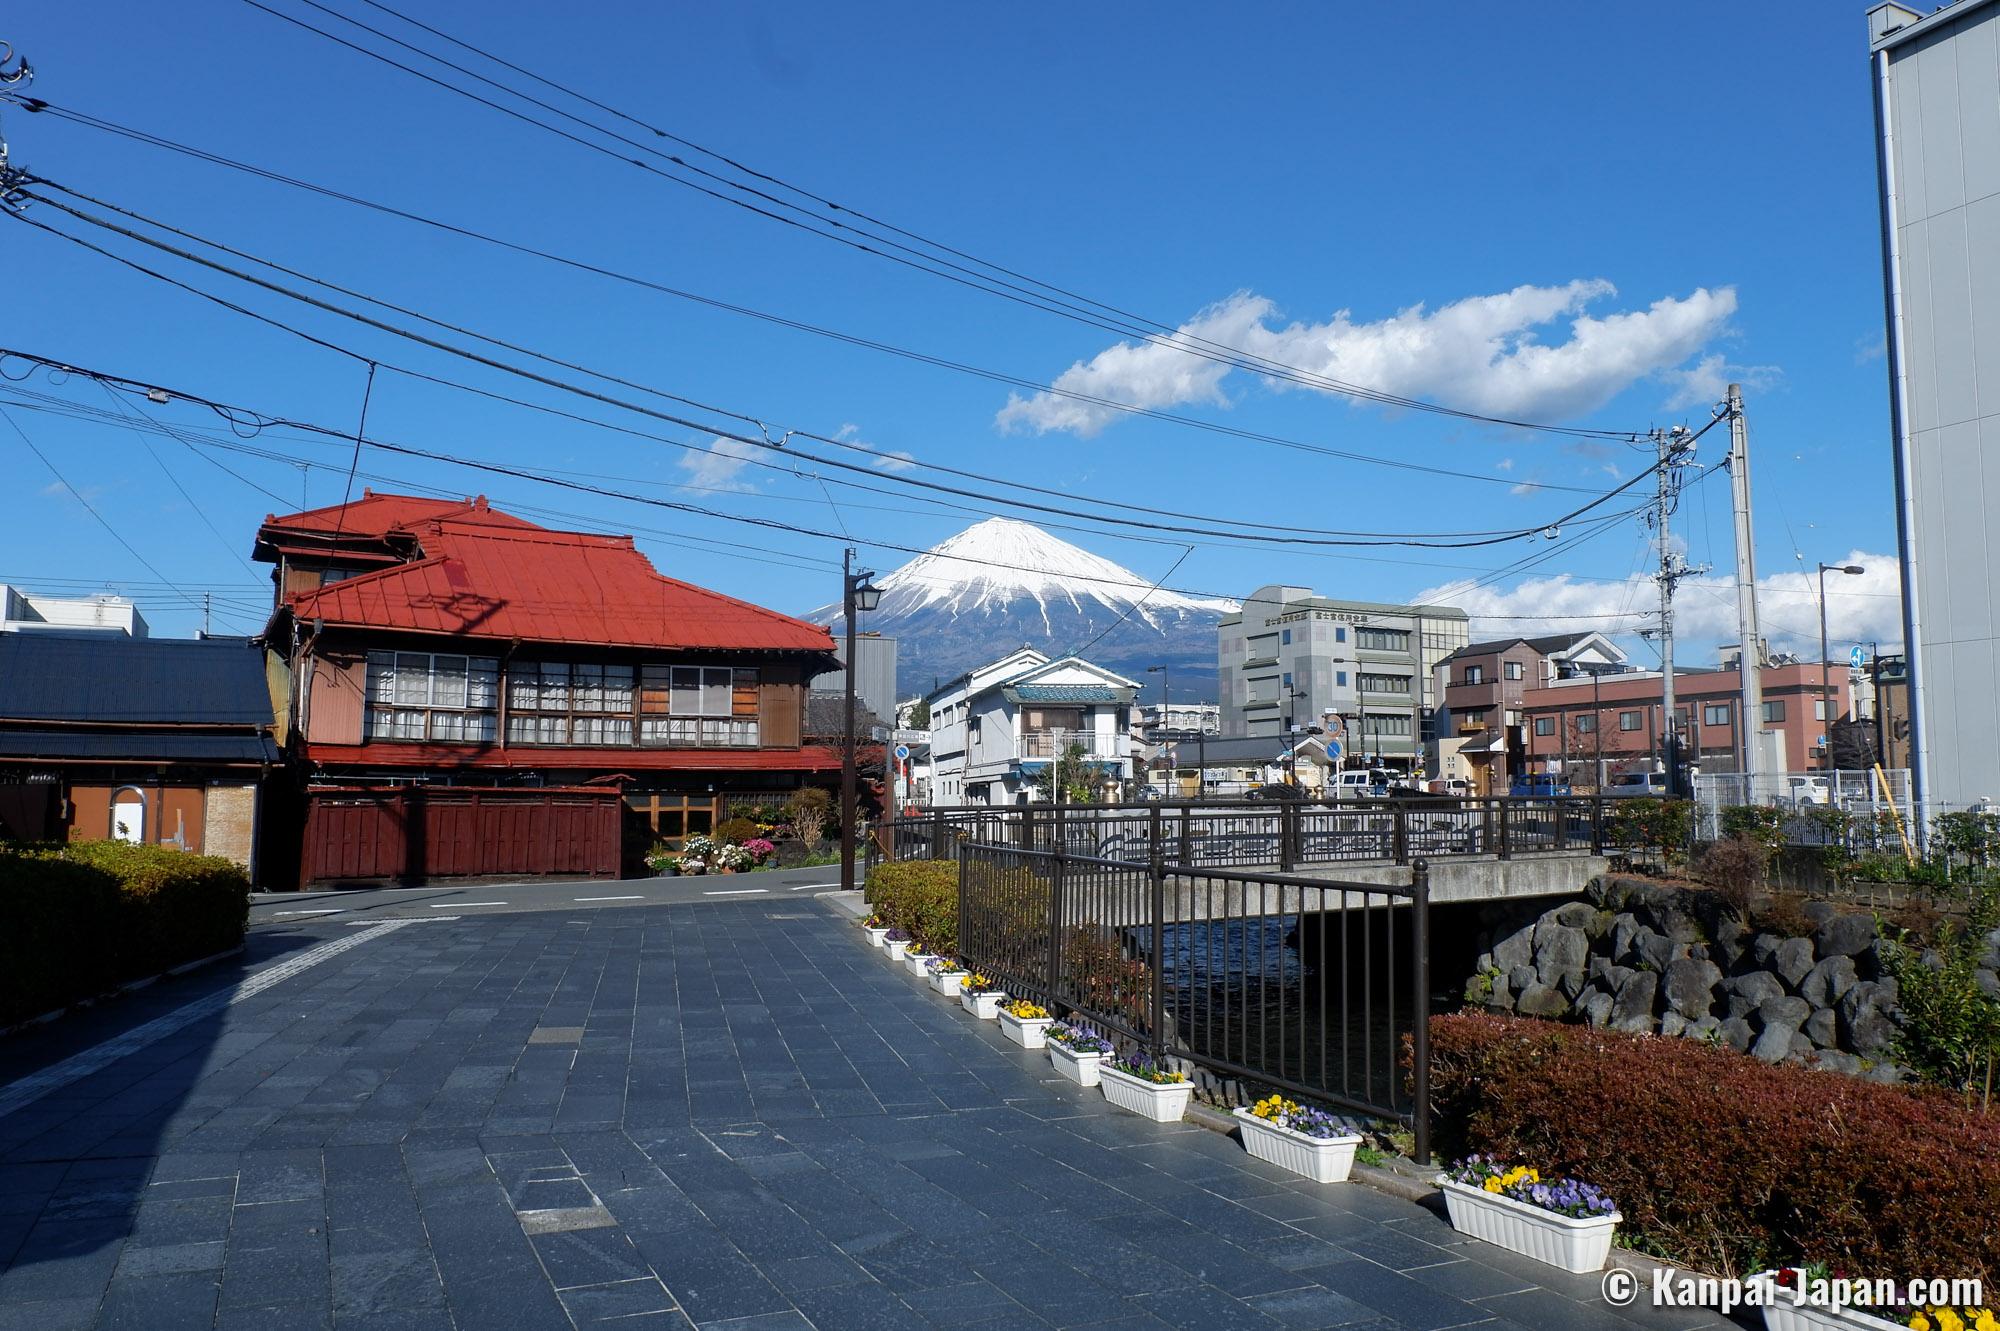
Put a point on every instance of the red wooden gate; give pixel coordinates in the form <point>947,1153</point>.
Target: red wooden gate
<point>416,834</point>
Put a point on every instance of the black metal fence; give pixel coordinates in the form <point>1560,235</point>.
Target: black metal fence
<point>1300,984</point>
<point>1264,834</point>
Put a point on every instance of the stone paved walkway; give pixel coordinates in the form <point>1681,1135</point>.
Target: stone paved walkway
<point>732,1115</point>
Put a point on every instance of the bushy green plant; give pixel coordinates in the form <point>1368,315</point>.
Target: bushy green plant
<point>919,897</point>
<point>1659,825</point>
<point>1950,1025</point>
<point>1759,822</point>
<point>173,906</point>
<point>1720,1161</point>
<point>1972,834</point>
<point>734,831</point>
<point>807,813</point>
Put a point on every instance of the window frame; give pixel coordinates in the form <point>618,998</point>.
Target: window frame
<point>389,705</point>
<point>1631,720</point>
<point>1545,727</point>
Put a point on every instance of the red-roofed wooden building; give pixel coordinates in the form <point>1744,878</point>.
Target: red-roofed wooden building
<point>461,658</point>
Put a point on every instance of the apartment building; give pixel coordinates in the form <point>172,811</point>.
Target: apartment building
<point>998,729</point>
<point>1365,671</point>
<point>1482,737</point>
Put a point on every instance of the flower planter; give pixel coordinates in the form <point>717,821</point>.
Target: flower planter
<point>947,983</point>
<point>896,947</point>
<point>918,963</point>
<point>1079,1068</point>
<point>875,937</point>
<point>1783,1311</point>
<point>1578,1246</point>
<point>1163,1102</point>
<point>1028,1032</point>
<point>1321,1159</point>
<point>985,1006</point>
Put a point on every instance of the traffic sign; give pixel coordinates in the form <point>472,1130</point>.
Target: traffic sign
<point>902,752</point>
<point>1857,658</point>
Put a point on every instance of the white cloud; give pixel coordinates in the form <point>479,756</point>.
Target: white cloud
<point>1504,464</point>
<point>1707,381</point>
<point>896,459</point>
<point>1860,608</point>
<point>1479,354</point>
<point>1524,489</point>
<point>1870,348</point>
<point>718,466</point>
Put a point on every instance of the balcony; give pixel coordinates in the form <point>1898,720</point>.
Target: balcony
<point>1044,745</point>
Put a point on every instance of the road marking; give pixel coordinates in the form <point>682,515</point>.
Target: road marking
<point>805,887</point>
<point>634,897</point>
<point>454,905</point>
<point>276,913</point>
<point>739,892</point>
<point>76,1067</point>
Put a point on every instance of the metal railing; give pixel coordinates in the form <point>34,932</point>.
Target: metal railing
<point>1039,744</point>
<point>1301,985</point>
<point>1266,834</point>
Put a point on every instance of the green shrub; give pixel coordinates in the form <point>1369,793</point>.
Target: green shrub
<point>76,920</point>
<point>1720,1161</point>
<point>1660,825</point>
<point>919,897</point>
<point>1950,1026</point>
<point>734,831</point>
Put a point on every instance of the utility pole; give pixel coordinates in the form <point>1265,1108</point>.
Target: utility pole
<point>1750,661</point>
<point>1674,447</point>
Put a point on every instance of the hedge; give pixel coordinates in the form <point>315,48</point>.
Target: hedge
<point>919,897</point>
<point>1720,1161</point>
<point>78,919</point>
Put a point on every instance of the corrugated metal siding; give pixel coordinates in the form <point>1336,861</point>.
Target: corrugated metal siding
<point>419,835</point>
<point>339,696</point>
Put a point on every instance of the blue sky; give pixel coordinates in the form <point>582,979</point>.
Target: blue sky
<point>1422,199</point>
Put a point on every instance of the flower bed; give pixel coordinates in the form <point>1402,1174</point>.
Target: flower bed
<point>1302,1138</point>
<point>1144,1087</point>
<point>897,943</point>
<point>1025,1023</point>
<point>978,996</point>
<point>1077,1052</point>
<point>946,976</point>
<point>1718,1160</point>
<point>918,963</point>
<point>877,930</point>
<point>1564,1222</point>
<point>1779,1293</point>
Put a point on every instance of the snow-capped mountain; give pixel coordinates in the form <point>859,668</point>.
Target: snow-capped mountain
<point>1001,584</point>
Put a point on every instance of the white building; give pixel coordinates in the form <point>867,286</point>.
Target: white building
<point>24,612</point>
<point>1937,116</point>
<point>995,729</point>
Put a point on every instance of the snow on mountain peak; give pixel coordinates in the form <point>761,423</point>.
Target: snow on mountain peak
<point>1001,560</point>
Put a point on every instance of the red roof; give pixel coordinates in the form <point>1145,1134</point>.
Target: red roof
<point>525,583</point>
<point>811,758</point>
<point>378,515</point>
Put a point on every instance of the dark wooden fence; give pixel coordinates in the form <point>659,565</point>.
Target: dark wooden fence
<point>418,834</point>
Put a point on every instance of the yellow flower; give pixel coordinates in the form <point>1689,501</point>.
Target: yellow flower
<point>1494,1185</point>
<point>1949,1320</point>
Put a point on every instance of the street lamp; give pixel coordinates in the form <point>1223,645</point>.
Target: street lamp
<point>1825,679</point>
<point>1166,723</point>
<point>857,593</point>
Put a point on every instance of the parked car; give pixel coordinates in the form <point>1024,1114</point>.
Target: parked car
<point>1538,787</point>
<point>1356,782</point>
<point>1636,785</point>
<point>1456,786</point>
<point>1803,790</point>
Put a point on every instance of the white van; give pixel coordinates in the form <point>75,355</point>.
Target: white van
<point>1651,785</point>
<point>1355,783</point>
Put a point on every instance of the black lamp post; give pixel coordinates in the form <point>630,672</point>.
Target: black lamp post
<point>1825,674</point>
<point>857,593</point>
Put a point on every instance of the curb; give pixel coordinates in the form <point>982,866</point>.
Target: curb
<point>128,987</point>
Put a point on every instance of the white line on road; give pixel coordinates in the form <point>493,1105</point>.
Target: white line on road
<point>454,905</point>
<point>634,897</point>
<point>739,892</point>
<point>805,887</point>
<point>305,912</point>
<point>26,1091</point>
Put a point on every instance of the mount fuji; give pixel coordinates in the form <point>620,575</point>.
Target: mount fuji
<point>1002,584</point>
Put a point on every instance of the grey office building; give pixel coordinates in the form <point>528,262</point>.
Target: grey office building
<point>1937,108</point>
<point>1290,658</point>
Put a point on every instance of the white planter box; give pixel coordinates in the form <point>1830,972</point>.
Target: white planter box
<point>896,947</point>
<point>1161,1102</point>
<point>948,984</point>
<point>1321,1159</point>
<point>1782,1313</point>
<point>984,1006</point>
<point>918,963</point>
<point>1079,1068</point>
<point>1578,1246</point>
<point>875,936</point>
<point>1028,1032</point>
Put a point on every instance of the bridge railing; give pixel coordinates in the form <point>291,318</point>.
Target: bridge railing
<point>1302,985</point>
<point>1260,833</point>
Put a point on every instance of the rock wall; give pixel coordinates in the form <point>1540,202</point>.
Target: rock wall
<point>1636,956</point>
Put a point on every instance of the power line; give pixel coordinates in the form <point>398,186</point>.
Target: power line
<point>996,376</point>
<point>1369,539</point>
<point>1123,325</point>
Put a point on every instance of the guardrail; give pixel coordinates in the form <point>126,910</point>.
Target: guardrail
<point>1302,985</point>
<point>1286,835</point>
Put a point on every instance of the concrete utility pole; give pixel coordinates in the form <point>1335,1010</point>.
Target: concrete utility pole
<point>1673,447</point>
<point>1750,727</point>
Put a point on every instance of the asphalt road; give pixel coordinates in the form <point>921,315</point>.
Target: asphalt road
<point>391,903</point>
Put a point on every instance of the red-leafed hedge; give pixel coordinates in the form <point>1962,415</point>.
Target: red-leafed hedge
<point>1724,1162</point>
